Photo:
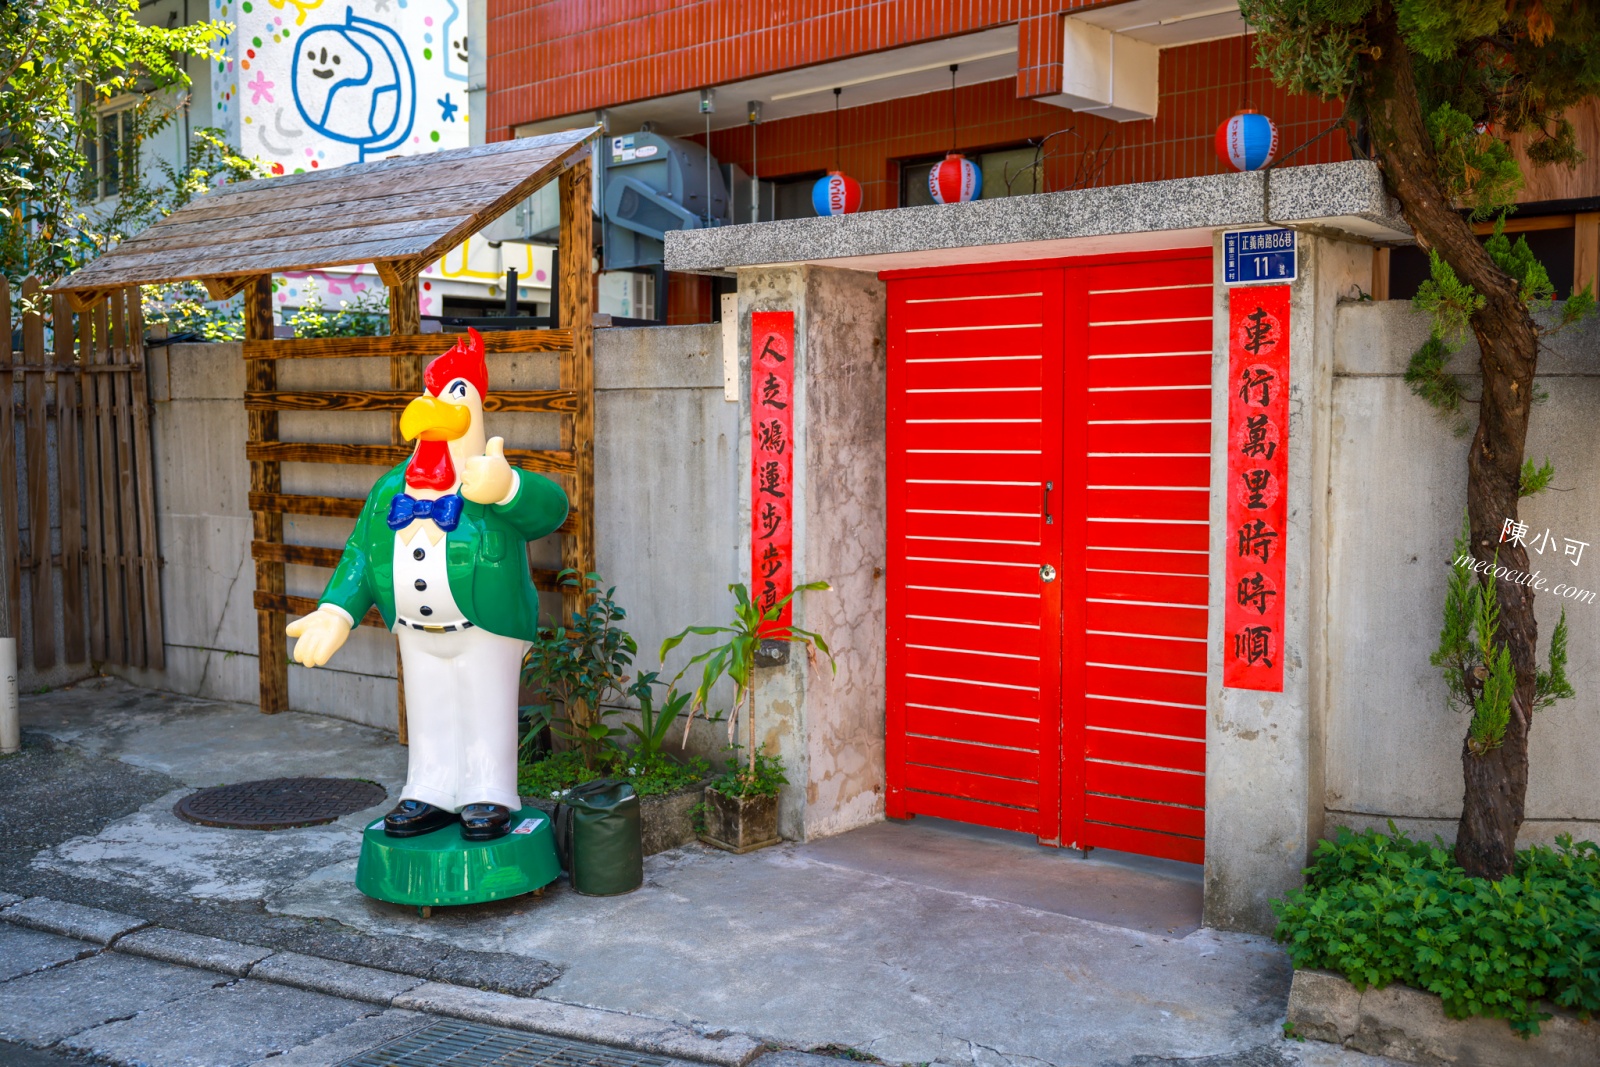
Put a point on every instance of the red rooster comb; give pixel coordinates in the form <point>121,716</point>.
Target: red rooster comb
<point>464,360</point>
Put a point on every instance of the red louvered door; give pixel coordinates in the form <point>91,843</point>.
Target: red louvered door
<point>1051,417</point>
<point>974,687</point>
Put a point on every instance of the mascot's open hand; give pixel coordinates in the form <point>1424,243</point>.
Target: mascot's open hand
<point>487,478</point>
<point>317,636</point>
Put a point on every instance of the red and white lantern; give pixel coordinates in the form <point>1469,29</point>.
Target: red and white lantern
<point>955,179</point>
<point>836,194</point>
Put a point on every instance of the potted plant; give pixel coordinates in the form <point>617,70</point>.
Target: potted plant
<point>741,807</point>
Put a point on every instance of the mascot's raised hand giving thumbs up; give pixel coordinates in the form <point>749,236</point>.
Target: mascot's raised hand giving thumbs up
<point>438,548</point>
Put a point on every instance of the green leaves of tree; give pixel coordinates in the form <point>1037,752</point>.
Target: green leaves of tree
<point>60,60</point>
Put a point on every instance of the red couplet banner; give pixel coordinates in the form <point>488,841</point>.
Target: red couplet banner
<point>1257,486</point>
<point>772,458</point>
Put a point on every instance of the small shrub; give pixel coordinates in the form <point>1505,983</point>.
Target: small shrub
<point>1380,908</point>
<point>761,778</point>
<point>650,775</point>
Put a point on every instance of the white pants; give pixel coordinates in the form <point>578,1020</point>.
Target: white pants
<point>461,714</point>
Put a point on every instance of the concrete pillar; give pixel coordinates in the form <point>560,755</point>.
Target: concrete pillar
<point>828,728</point>
<point>1264,750</point>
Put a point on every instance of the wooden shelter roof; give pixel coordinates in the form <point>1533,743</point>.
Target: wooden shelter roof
<point>399,214</point>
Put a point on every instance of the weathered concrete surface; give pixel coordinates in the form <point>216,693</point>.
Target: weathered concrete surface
<point>24,951</point>
<point>828,728</point>
<point>234,1024</point>
<point>864,945</point>
<point>1347,196</point>
<point>334,978</point>
<point>44,1007</point>
<point>1399,493</point>
<point>1263,750</point>
<point>94,925</point>
<point>367,1032</point>
<point>193,950</point>
<point>1411,1025</point>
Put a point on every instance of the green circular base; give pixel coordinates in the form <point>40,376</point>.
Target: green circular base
<point>443,868</point>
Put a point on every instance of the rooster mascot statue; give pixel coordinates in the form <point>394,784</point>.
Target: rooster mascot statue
<point>438,548</point>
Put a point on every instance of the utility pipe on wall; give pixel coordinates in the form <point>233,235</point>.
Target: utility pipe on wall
<point>10,724</point>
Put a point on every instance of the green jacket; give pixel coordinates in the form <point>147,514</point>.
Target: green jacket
<point>484,556</point>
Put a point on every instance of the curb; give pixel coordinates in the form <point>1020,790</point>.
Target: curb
<point>1408,1024</point>
<point>128,934</point>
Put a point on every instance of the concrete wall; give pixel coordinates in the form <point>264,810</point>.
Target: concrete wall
<point>827,726</point>
<point>1397,496</point>
<point>666,497</point>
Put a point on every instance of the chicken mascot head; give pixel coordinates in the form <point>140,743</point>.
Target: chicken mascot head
<point>438,548</point>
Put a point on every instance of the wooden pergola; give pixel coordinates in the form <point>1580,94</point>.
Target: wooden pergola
<point>401,215</point>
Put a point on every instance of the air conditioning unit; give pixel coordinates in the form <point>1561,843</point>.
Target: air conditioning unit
<point>651,184</point>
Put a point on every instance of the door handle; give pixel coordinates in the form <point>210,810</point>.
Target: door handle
<point>1049,519</point>
<point>1047,573</point>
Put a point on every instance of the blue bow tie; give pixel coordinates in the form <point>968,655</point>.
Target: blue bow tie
<point>445,511</point>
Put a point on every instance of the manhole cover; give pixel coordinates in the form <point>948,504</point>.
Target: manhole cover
<point>451,1043</point>
<point>279,803</point>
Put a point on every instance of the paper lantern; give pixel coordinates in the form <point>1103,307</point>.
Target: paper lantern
<point>836,194</point>
<point>955,179</point>
<point>1247,141</point>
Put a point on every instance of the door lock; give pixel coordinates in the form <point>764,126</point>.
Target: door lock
<point>1047,573</point>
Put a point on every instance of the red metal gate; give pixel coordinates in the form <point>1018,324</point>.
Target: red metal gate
<point>1049,440</point>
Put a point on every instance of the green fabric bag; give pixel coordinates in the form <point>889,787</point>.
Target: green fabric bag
<point>599,838</point>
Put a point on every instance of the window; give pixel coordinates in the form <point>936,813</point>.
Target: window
<point>114,153</point>
<point>791,198</point>
<point>1006,172</point>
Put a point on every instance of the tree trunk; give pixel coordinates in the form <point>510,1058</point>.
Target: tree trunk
<point>1496,782</point>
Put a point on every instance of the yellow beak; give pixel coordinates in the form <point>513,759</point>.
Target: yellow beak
<point>433,419</point>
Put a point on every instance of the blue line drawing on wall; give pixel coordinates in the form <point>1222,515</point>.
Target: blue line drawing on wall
<point>354,83</point>
<point>455,45</point>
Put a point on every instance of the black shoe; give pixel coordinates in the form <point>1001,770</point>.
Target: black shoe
<point>485,822</point>
<point>413,818</point>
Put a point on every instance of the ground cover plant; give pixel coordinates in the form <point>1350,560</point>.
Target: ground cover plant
<point>1381,908</point>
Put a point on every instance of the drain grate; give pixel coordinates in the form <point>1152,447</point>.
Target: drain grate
<point>452,1043</point>
<point>278,803</point>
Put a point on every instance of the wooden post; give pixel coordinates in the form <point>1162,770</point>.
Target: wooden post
<point>69,472</point>
<point>36,437</point>
<point>261,376</point>
<point>1380,273</point>
<point>577,365</point>
<point>1586,250</point>
<point>405,373</point>
<point>92,331</point>
<point>9,528</point>
<point>149,558</point>
<point>127,498</point>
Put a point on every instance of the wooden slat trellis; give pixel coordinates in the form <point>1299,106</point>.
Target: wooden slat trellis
<point>97,581</point>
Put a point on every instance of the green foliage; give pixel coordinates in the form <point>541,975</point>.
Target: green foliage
<point>60,62</point>
<point>1310,46</point>
<point>581,666</point>
<point>1475,167</point>
<point>1451,301</point>
<point>1428,378</point>
<point>365,316</point>
<point>1477,671</point>
<point>655,775</point>
<point>735,657</point>
<point>1518,260</point>
<point>1381,908</point>
<point>650,734</point>
<point>187,311</point>
<point>761,777</point>
<point>1535,480</point>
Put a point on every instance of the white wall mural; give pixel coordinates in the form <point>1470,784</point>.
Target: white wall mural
<point>311,84</point>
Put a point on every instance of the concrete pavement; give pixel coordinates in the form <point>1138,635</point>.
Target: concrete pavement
<point>918,943</point>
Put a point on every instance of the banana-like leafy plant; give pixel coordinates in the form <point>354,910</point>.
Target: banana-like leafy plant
<point>735,656</point>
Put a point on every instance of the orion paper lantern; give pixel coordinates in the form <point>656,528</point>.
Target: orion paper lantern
<point>836,194</point>
<point>1247,141</point>
<point>955,179</point>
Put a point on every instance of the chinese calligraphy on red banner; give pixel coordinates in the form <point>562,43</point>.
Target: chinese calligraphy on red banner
<point>772,458</point>
<point>1258,502</point>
